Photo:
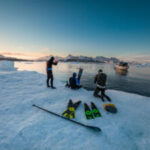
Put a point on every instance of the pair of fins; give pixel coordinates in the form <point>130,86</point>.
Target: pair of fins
<point>71,108</point>
<point>91,114</point>
<point>69,113</point>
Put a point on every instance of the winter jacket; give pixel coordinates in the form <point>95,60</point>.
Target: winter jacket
<point>100,79</point>
<point>49,65</point>
<point>72,83</point>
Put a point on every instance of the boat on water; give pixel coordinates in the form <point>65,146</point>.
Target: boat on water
<point>122,66</point>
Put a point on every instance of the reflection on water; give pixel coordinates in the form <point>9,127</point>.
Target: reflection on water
<point>121,72</point>
<point>136,80</point>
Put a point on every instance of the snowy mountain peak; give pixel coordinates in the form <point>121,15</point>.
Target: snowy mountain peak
<point>82,58</point>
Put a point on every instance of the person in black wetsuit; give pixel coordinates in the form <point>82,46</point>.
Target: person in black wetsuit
<point>100,80</point>
<point>74,82</point>
<point>49,70</point>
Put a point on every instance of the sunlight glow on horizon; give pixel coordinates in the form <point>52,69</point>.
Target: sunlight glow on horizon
<point>34,55</point>
<point>28,55</point>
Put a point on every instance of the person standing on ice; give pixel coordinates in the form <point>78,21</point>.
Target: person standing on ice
<point>100,80</point>
<point>49,71</point>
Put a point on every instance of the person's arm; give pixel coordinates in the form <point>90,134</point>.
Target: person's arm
<point>55,62</point>
<point>95,79</point>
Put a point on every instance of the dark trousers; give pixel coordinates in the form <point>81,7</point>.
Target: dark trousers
<point>77,87</point>
<point>50,77</point>
<point>97,90</point>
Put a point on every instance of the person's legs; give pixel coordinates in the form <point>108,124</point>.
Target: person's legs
<point>78,86</point>
<point>103,95</point>
<point>67,84</point>
<point>52,79</point>
<point>96,92</point>
<point>47,81</point>
<point>102,92</point>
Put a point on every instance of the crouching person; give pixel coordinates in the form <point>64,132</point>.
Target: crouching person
<point>100,80</point>
<point>74,82</point>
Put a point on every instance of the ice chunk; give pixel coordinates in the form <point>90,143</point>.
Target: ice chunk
<point>7,66</point>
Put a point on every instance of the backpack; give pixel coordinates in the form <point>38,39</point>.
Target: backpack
<point>110,108</point>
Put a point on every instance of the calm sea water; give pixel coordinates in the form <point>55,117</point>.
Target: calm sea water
<point>136,80</point>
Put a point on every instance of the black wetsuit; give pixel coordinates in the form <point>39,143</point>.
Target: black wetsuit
<point>72,83</point>
<point>100,79</point>
<point>50,63</point>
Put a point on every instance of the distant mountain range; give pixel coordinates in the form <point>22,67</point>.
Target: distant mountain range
<point>45,58</point>
<point>11,58</point>
<point>71,58</point>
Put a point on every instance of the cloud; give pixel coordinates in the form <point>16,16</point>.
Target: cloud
<point>14,53</point>
<point>22,55</point>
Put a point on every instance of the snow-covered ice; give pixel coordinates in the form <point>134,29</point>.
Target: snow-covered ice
<point>7,66</point>
<point>23,127</point>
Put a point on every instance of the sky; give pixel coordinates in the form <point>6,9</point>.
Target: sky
<point>110,28</point>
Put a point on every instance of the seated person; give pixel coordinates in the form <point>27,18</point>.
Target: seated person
<point>74,82</point>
